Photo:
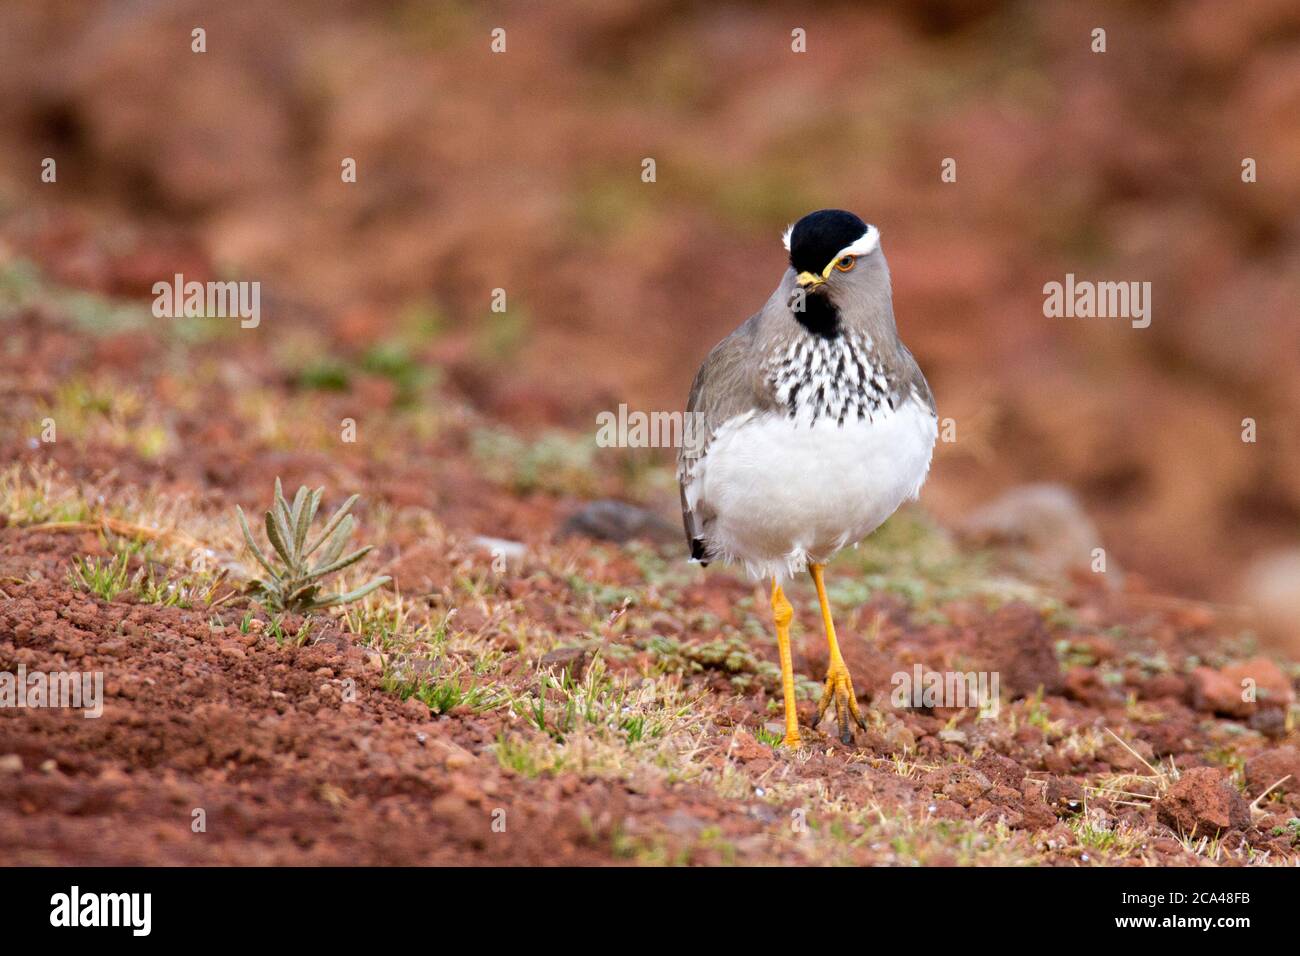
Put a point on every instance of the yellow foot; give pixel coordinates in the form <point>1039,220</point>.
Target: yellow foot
<point>839,688</point>
<point>793,741</point>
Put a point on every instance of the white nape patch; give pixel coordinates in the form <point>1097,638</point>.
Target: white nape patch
<point>867,244</point>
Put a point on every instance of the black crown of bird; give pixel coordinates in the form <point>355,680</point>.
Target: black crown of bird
<point>818,424</point>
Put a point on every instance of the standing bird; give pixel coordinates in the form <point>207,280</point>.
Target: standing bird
<point>813,424</point>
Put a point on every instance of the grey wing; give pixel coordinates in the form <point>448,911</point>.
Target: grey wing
<point>693,539</point>
<point>728,384</point>
<point>914,380</point>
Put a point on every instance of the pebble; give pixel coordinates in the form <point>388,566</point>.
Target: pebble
<point>416,708</point>
<point>618,521</point>
<point>511,551</point>
<point>458,760</point>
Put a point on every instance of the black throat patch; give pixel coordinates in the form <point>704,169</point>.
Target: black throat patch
<point>819,315</point>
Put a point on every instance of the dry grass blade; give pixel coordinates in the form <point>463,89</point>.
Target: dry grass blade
<point>1254,804</point>
<point>1157,774</point>
<point>124,529</point>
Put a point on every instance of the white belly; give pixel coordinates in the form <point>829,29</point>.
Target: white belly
<point>783,492</point>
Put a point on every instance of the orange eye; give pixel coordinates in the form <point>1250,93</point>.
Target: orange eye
<point>845,264</point>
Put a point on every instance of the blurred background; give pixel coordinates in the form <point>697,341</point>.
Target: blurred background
<point>522,171</point>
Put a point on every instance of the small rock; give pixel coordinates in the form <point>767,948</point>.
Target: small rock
<point>415,708</point>
<point>332,641</point>
<point>618,521</point>
<point>1267,768</point>
<point>745,748</point>
<point>1212,691</point>
<point>1170,736</point>
<point>1001,770</point>
<point>114,776</point>
<point>1240,689</point>
<point>450,805</point>
<point>966,785</point>
<point>683,824</point>
<point>1272,687</point>
<point>952,735</point>
<point>1164,685</point>
<point>458,760</point>
<point>511,552</point>
<point>1043,526</point>
<point>1035,815</point>
<point>1063,795</point>
<point>572,660</point>
<point>11,763</point>
<point>1200,803</point>
<point>1271,722</point>
<point>1135,757</point>
<point>466,789</point>
<point>1271,584</point>
<point>899,737</point>
<point>1018,644</point>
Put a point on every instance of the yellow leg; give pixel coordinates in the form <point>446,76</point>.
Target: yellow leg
<point>782,612</point>
<point>839,686</point>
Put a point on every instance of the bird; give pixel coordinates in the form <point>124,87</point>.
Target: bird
<point>812,422</point>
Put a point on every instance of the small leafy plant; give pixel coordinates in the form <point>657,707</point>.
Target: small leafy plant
<point>295,585</point>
